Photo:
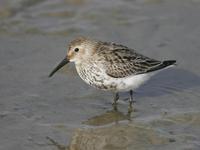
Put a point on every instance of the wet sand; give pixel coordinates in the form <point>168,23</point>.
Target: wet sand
<point>63,113</point>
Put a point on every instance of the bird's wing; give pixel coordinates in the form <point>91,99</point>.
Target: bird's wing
<point>120,61</point>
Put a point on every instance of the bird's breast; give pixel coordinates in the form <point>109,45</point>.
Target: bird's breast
<point>93,75</point>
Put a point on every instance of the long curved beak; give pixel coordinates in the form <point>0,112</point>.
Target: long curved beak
<point>60,65</point>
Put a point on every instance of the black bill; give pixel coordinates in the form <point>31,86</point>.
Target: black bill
<point>60,65</point>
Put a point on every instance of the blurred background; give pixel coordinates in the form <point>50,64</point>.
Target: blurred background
<point>63,113</point>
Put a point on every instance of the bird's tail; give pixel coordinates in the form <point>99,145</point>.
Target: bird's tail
<point>168,63</point>
<point>164,64</point>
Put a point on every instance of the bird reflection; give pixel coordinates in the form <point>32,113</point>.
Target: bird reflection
<point>56,144</point>
<point>111,116</point>
<point>110,131</point>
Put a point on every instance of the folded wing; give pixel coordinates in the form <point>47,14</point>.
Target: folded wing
<point>119,61</point>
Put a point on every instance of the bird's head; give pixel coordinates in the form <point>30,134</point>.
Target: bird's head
<point>79,50</point>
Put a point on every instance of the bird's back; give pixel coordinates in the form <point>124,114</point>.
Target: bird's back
<point>119,61</point>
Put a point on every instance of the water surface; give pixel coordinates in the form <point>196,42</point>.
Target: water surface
<point>63,112</point>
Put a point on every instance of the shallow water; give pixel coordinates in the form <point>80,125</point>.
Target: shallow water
<point>63,113</point>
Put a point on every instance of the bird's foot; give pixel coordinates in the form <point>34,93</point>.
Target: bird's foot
<point>116,97</point>
<point>130,108</point>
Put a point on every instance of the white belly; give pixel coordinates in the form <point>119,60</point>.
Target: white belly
<point>131,82</point>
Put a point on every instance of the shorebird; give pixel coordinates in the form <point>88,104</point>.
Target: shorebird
<point>111,66</point>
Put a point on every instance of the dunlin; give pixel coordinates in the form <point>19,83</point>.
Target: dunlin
<point>111,66</point>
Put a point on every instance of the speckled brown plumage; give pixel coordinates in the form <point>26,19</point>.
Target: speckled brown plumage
<point>120,61</point>
<point>110,66</point>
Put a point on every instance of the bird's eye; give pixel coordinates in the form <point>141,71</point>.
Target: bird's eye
<point>76,49</point>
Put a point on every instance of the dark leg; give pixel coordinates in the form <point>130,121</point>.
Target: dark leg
<point>131,97</point>
<point>116,97</point>
<point>131,101</point>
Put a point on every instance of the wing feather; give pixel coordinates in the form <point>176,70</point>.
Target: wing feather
<point>120,61</point>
